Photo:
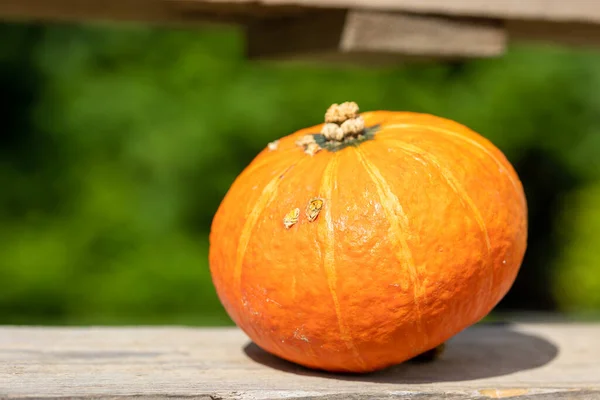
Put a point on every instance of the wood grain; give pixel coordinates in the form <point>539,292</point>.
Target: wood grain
<point>548,10</point>
<point>166,10</point>
<point>529,361</point>
<point>361,35</point>
<point>87,10</point>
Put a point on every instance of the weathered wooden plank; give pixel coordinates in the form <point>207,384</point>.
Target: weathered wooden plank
<point>76,10</point>
<point>360,35</point>
<point>524,360</point>
<point>164,10</point>
<point>565,33</point>
<point>550,10</point>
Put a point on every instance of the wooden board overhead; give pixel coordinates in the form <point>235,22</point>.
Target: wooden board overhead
<point>369,35</point>
<point>154,11</point>
<point>532,361</point>
<point>363,31</point>
<point>585,11</point>
<point>549,10</point>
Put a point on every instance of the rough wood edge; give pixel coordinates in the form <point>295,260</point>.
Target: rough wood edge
<point>167,10</point>
<point>122,11</point>
<point>365,34</point>
<point>543,360</point>
<point>546,10</point>
<point>400,395</point>
<point>574,34</point>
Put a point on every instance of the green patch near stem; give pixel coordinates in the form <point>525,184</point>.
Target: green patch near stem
<point>333,145</point>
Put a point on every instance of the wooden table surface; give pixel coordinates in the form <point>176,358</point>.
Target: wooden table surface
<point>524,361</point>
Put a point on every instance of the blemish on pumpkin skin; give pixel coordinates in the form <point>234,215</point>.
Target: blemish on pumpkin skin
<point>307,142</point>
<point>247,306</point>
<point>314,208</point>
<point>291,218</point>
<point>286,171</point>
<point>300,336</point>
<point>273,145</point>
<point>269,300</point>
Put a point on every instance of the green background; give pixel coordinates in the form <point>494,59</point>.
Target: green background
<point>118,143</point>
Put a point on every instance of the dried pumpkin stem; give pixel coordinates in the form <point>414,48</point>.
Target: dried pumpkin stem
<point>338,113</point>
<point>342,123</point>
<point>342,120</point>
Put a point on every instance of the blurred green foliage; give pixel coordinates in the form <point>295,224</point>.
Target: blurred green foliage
<point>118,143</point>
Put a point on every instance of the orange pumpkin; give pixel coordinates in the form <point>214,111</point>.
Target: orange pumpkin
<point>365,241</point>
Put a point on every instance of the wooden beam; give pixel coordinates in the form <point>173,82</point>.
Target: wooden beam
<point>549,10</point>
<point>163,12</point>
<point>91,10</point>
<point>360,34</point>
<point>175,10</point>
<point>532,361</point>
<point>577,34</point>
<point>146,11</point>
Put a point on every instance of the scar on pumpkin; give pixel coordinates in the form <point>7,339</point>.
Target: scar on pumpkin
<point>291,218</point>
<point>309,144</point>
<point>314,208</point>
<point>273,145</point>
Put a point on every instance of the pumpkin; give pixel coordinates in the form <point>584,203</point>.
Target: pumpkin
<point>367,240</point>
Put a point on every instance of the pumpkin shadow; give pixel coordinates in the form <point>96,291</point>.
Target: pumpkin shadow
<point>482,351</point>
